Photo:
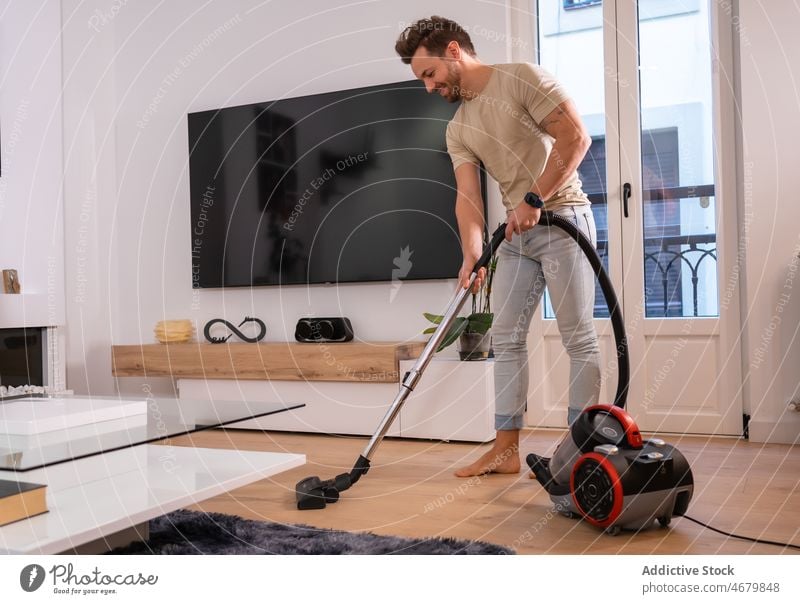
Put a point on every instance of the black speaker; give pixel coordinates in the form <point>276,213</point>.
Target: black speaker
<point>332,329</point>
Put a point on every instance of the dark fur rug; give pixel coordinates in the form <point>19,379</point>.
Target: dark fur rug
<point>188,532</point>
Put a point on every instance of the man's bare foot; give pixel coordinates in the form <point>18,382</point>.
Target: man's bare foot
<point>495,461</point>
<point>502,458</point>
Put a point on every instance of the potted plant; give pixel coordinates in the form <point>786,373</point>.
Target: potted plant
<point>473,331</point>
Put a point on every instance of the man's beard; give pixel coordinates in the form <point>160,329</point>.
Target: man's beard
<point>452,86</point>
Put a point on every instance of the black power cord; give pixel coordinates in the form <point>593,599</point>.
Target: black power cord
<point>753,539</point>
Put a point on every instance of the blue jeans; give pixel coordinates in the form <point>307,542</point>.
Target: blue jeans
<point>544,256</point>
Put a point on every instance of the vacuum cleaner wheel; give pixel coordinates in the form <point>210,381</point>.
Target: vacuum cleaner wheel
<point>596,489</point>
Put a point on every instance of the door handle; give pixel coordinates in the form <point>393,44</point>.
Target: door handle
<point>626,195</point>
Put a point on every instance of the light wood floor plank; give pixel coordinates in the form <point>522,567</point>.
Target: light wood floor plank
<point>741,487</point>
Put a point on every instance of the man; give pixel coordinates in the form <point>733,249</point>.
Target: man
<point>520,123</point>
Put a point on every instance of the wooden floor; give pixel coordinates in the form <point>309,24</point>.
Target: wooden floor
<point>745,488</point>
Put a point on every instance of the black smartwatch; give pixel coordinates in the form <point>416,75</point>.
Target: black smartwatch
<point>533,200</point>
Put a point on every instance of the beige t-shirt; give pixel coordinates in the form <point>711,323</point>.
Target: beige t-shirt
<point>500,127</point>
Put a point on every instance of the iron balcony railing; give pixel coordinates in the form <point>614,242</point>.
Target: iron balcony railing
<point>666,256</point>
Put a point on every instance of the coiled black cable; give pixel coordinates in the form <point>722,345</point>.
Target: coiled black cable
<point>735,536</point>
<point>617,321</point>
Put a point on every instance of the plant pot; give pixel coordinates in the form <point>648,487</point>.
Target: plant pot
<point>474,346</point>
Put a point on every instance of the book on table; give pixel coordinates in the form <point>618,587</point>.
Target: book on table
<point>20,500</point>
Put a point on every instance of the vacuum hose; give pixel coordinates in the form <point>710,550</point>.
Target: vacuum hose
<point>617,322</point>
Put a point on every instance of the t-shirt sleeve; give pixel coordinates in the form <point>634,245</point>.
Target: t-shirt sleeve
<point>539,91</point>
<point>459,153</point>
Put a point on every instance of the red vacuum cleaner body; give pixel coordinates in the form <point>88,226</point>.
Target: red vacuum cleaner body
<point>604,472</point>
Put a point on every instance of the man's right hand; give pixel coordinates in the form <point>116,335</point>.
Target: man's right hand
<point>466,271</point>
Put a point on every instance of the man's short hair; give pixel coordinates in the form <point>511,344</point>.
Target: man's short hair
<point>433,34</point>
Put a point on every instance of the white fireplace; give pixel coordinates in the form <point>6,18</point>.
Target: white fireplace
<point>31,360</point>
<point>32,343</point>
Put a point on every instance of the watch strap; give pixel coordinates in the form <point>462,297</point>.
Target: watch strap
<point>533,200</point>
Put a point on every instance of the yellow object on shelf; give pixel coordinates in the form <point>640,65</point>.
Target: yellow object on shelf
<point>174,332</point>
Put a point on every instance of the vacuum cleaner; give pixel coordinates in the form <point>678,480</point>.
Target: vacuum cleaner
<point>602,471</point>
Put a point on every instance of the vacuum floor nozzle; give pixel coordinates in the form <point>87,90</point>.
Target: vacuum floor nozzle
<point>312,493</point>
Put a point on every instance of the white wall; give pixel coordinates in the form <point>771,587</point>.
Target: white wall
<point>120,247</point>
<point>770,214</point>
<point>132,71</point>
<point>31,212</point>
<point>90,194</point>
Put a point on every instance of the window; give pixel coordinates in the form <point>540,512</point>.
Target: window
<point>661,171</point>
<point>571,4</point>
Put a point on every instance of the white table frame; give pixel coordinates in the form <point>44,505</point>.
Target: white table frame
<point>92,499</point>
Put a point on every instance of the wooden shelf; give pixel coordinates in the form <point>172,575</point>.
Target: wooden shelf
<point>377,362</point>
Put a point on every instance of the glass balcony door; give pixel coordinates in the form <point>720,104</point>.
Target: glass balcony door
<point>649,79</point>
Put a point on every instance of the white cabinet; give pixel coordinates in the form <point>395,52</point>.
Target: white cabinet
<point>454,400</point>
<point>330,407</point>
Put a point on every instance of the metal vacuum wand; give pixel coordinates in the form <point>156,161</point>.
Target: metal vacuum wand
<point>313,493</point>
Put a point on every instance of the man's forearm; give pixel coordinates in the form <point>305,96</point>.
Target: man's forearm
<point>564,159</point>
<point>469,213</point>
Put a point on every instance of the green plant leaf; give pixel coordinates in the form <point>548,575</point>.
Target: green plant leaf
<point>480,322</point>
<point>433,318</point>
<point>458,327</point>
<point>429,330</point>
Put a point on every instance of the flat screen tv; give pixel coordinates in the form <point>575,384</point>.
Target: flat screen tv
<point>347,186</point>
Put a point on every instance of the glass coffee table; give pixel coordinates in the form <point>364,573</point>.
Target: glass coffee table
<point>109,467</point>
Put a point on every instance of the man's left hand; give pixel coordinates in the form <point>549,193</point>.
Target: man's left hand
<point>522,218</point>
